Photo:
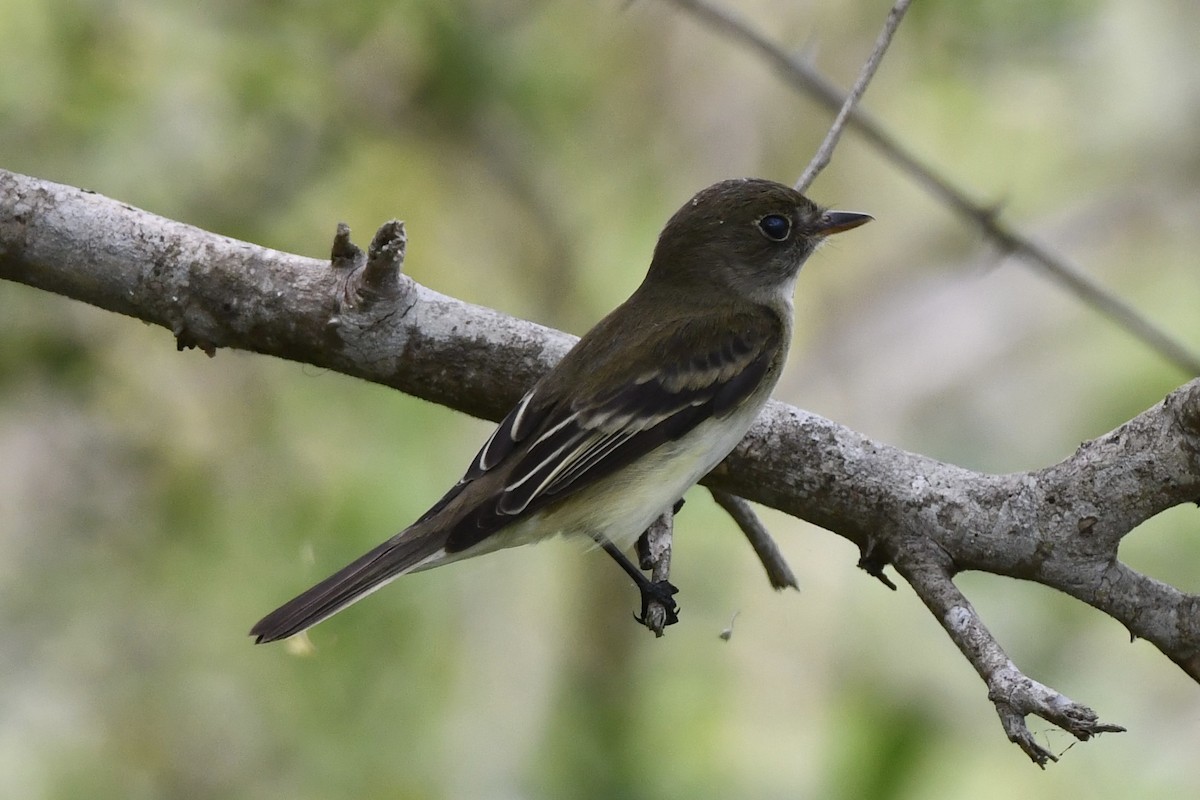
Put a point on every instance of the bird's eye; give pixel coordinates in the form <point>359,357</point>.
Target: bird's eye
<point>775,227</point>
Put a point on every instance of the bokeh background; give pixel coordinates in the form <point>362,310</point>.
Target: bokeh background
<point>153,504</point>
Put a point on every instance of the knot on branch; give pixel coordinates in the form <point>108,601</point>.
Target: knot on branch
<point>186,340</point>
<point>1189,408</point>
<point>373,277</point>
<point>872,559</point>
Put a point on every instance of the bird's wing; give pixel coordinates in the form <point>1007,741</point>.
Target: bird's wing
<point>556,448</point>
<point>547,448</point>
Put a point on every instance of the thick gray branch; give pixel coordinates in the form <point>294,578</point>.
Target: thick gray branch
<point>212,291</point>
<point>1059,526</point>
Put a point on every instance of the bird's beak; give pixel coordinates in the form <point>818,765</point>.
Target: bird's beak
<point>837,221</point>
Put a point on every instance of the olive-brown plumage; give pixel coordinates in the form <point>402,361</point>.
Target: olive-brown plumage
<point>646,403</point>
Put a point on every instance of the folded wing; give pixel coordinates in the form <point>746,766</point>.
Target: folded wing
<point>556,449</point>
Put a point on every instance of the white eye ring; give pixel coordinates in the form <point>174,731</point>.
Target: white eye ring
<point>775,227</point>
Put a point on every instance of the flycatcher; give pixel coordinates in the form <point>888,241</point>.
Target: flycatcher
<point>644,405</point>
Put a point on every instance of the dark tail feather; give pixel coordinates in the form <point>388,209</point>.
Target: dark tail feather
<point>351,583</point>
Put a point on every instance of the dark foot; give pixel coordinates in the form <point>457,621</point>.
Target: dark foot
<point>659,592</point>
<point>656,593</point>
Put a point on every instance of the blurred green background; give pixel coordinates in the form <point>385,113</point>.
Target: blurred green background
<point>154,504</point>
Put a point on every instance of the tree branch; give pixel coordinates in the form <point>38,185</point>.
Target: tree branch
<point>654,554</point>
<point>1014,695</point>
<point>825,152</point>
<point>779,574</point>
<point>1059,526</point>
<point>808,79</point>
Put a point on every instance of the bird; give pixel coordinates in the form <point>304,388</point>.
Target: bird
<point>644,405</point>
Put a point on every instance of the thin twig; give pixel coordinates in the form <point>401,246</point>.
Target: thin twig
<point>825,152</point>
<point>808,79</point>
<point>778,572</point>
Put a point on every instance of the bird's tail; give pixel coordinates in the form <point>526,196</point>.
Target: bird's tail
<point>408,550</point>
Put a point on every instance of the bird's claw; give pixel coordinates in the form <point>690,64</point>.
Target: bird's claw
<point>659,592</point>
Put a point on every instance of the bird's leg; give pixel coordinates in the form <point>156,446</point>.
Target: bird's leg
<point>651,591</point>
